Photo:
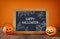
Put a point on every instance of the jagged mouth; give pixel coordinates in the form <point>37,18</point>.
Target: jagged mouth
<point>49,32</point>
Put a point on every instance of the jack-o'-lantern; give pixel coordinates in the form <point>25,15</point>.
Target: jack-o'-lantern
<point>8,29</point>
<point>51,31</point>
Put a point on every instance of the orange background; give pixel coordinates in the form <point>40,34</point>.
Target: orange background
<point>8,8</point>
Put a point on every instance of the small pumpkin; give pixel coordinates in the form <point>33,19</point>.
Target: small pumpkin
<point>51,31</point>
<point>8,29</point>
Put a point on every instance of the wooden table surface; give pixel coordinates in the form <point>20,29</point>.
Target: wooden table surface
<point>4,36</point>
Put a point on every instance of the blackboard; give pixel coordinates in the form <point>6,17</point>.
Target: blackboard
<point>30,20</point>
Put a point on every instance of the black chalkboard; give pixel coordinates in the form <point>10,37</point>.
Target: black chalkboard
<point>30,20</point>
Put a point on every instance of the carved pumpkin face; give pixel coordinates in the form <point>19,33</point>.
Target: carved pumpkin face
<point>8,28</point>
<point>50,31</point>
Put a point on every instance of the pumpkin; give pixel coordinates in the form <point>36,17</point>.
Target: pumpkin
<point>51,31</point>
<point>8,29</point>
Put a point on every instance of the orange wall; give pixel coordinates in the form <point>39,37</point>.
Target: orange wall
<point>7,10</point>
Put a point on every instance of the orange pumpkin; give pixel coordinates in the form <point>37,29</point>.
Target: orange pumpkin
<point>51,31</point>
<point>8,29</point>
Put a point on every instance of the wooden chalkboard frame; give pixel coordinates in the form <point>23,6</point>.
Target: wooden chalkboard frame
<point>30,32</point>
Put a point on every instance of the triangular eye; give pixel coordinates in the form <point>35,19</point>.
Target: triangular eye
<point>51,30</point>
<point>47,30</point>
<point>9,28</point>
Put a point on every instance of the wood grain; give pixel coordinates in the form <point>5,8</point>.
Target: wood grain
<point>4,36</point>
